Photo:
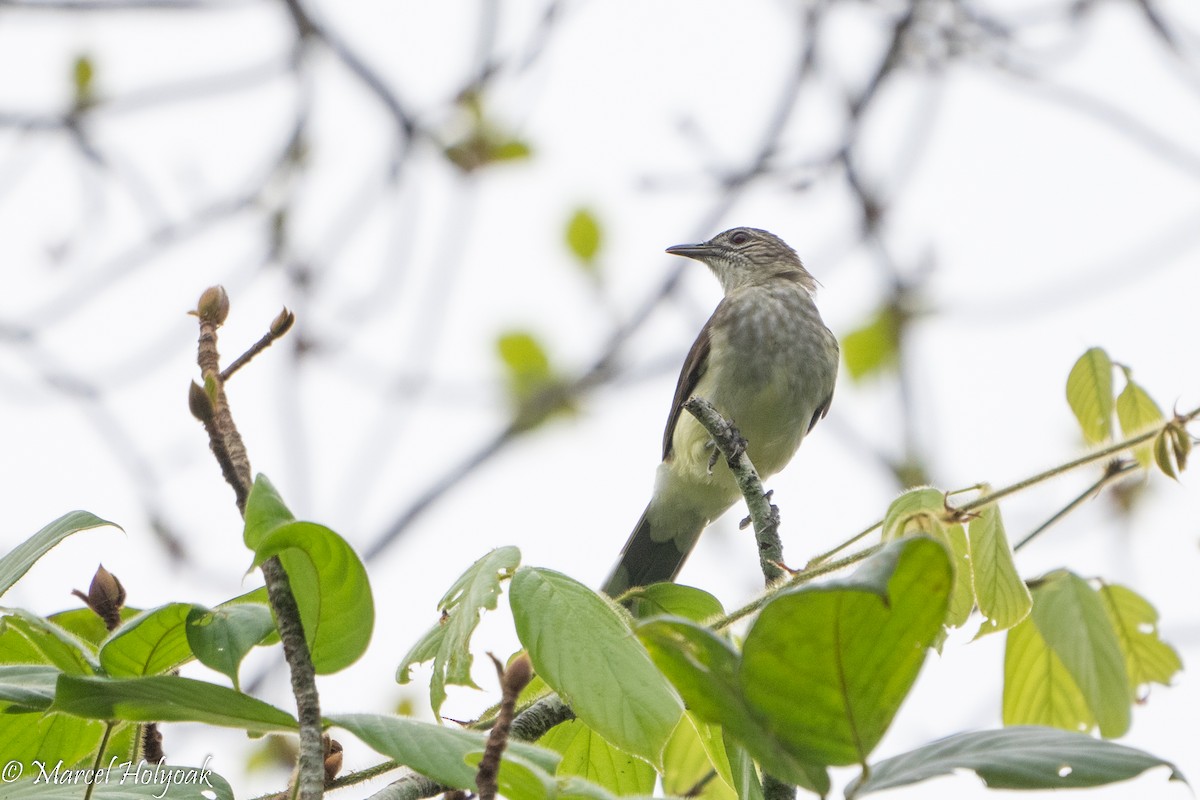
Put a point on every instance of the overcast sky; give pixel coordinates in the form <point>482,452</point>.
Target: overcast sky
<point>1043,208</point>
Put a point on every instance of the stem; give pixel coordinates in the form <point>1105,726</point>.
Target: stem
<point>1115,470</point>
<point>801,577</point>
<point>108,727</point>
<point>211,406</point>
<point>988,499</point>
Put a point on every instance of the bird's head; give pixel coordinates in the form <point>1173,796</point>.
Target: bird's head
<point>743,256</point>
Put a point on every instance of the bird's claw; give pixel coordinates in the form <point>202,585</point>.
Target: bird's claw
<point>712,457</point>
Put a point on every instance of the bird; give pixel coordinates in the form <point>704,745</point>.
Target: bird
<point>766,361</point>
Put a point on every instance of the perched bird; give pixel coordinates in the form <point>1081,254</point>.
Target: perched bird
<point>768,364</point>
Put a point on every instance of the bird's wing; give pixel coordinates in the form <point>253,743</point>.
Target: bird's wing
<point>694,367</point>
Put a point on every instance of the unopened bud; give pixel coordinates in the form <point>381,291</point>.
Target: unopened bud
<point>199,403</point>
<point>517,676</point>
<point>213,306</point>
<point>106,597</point>
<point>282,323</point>
<point>333,758</point>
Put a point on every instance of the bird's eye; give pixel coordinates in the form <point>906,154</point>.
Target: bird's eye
<point>741,237</point>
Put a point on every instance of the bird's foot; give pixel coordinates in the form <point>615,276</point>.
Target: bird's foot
<point>713,455</point>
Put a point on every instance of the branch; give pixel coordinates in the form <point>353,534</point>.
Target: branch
<point>763,514</point>
<point>211,407</point>
<point>821,565</point>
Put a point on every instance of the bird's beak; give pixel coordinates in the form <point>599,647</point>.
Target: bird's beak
<point>691,250</point>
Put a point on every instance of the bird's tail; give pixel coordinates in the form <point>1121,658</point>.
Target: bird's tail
<point>650,556</point>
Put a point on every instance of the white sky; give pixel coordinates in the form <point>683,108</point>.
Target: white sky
<point>1048,232</point>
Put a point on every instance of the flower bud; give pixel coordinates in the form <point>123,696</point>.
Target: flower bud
<point>213,306</point>
<point>282,323</point>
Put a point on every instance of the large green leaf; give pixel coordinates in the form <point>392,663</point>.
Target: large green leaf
<point>694,752</point>
<point>444,754</point>
<point>704,668</point>
<point>827,666</point>
<point>1015,758</point>
<point>120,781</point>
<point>1090,394</point>
<point>448,642</point>
<point>265,511</point>
<point>1071,618</point>
<point>582,647</point>
<point>30,639</point>
<point>221,637</point>
<point>47,737</point>
<point>1148,659</point>
<point>87,625</point>
<point>152,643</point>
<point>327,578</point>
<point>1038,689</point>
<point>588,755</point>
<point>1002,596</point>
<point>27,687</point>
<point>331,589</point>
<point>167,698</point>
<point>17,561</point>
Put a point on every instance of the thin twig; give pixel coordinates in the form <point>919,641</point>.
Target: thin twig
<point>1116,469</point>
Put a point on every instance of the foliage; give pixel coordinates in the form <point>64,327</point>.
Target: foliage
<point>813,682</point>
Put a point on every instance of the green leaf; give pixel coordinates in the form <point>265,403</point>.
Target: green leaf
<point>1038,689</point>
<point>48,737</point>
<point>581,646</point>
<point>704,669</point>
<point>331,589</point>
<point>1148,659</point>
<point>962,596</point>
<point>676,600</point>
<point>221,637</point>
<point>1015,758</point>
<point>1090,394</point>
<point>167,698</point>
<point>525,360</point>
<point>87,626</point>
<point>1071,618</point>
<point>535,391</point>
<point>448,642</point>
<point>83,74</point>
<point>586,754</point>
<point>1137,411</point>
<point>583,238</point>
<point>27,687</point>
<point>122,781</point>
<point>873,347</point>
<point>28,638</point>
<point>827,666</point>
<point>690,760</point>
<point>511,150</point>
<point>18,560</point>
<point>265,511</point>
<point>746,781</point>
<point>1002,596</point>
<point>917,511</point>
<point>152,643</point>
<point>442,753</point>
